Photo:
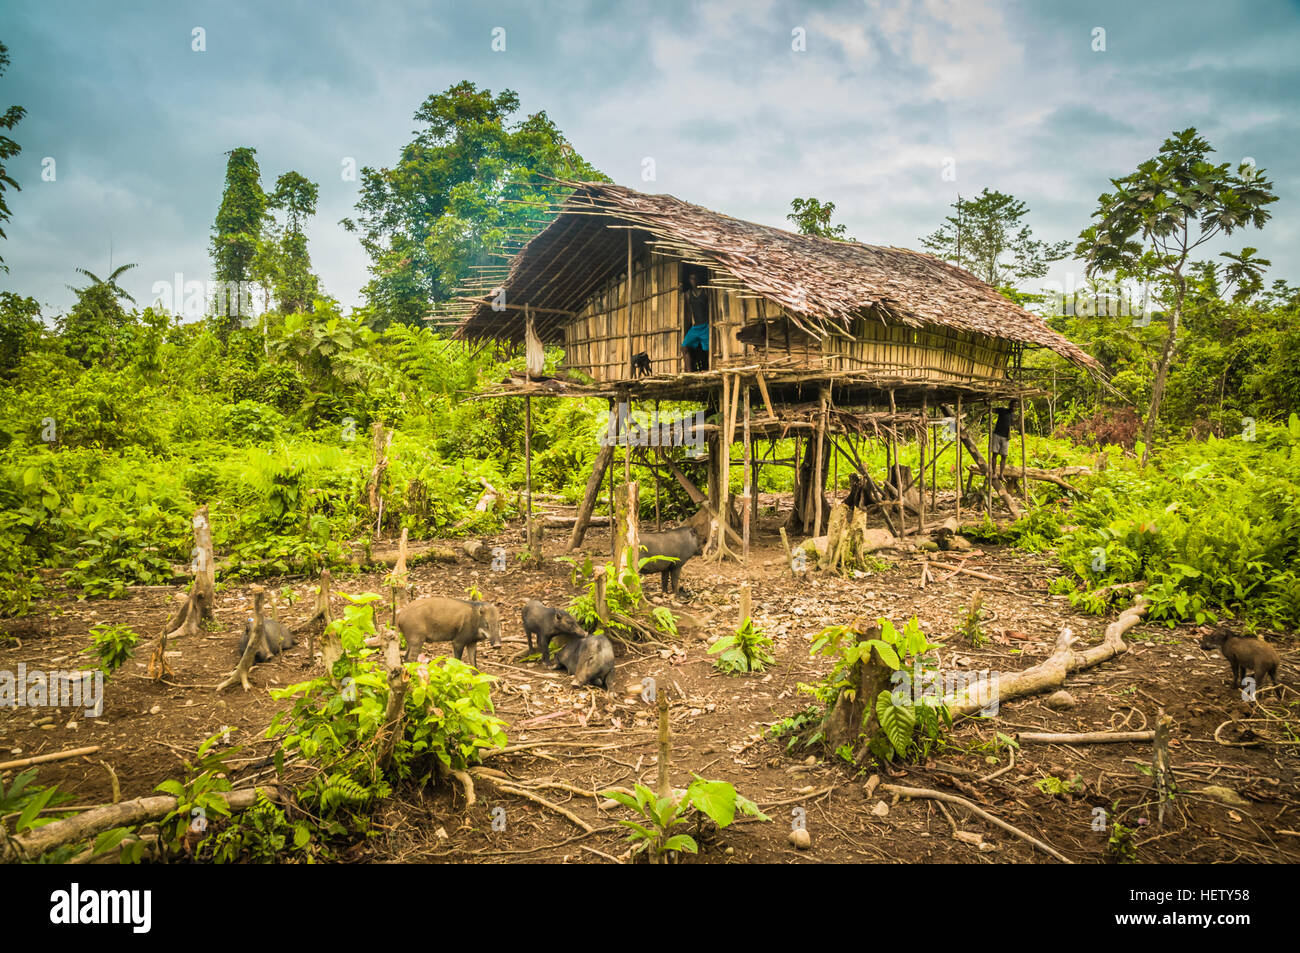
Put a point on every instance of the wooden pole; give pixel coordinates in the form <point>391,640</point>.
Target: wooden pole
<point>920,469</point>
<point>934,468</point>
<point>988,468</point>
<point>747,508</point>
<point>959,470</point>
<point>1024,480</point>
<point>659,525</point>
<point>722,466</point>
<point>818,485</point>
<point>529,530</point>
<point>628,547</point>
<point>618,429</point>
<point>896,473</point>
<point>627,446</point>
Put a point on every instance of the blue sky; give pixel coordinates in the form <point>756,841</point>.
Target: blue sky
<point>883,98</point>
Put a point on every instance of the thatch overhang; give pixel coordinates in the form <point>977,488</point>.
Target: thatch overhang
<point>822,284</point>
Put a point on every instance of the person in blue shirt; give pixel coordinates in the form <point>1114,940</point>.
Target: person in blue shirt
<point>695,343</point>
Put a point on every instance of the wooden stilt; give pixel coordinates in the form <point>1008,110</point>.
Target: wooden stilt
<point>819,487</point>
<point>1024,480</point>
<point>747,509</point>
<point>530,532</point>
<point>988,468</point>
<point>658,520</point>
<point>896,474</point>
<point>934,468</point>
<point>957,416</point>
<point>627,446</point>
<point>920,469</point>
<point>618,432</point>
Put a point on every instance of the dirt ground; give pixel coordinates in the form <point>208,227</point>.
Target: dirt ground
<point>591,740</point>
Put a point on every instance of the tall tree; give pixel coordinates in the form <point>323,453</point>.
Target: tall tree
<point>8,149</point>
<point>238,230</point>
<point>295,285</point>
<point>472,177</point>
<point>812,217</point>
<point>987,236</point>
<point>1158,216</point>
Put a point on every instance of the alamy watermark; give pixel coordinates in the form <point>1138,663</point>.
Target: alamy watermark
<point>197,299</point>
<point>627,428</point>
<point>82,689</point>
<point>920,687</point>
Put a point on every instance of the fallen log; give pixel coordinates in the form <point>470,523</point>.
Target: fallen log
<point>1051,672</point>
<point>31,844</point>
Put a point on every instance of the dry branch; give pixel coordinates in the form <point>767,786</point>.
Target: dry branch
<point>978,812</point>
<point>1083,737</point>
<point>47,758</point>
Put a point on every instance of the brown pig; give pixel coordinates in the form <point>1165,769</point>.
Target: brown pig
<point>438,619</point>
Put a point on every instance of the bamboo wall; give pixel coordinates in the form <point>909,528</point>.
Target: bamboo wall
<point>596,341</point>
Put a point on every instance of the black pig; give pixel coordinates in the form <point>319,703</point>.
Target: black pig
<point>545,623</point>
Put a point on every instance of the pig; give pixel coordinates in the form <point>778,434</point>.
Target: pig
<point>666,553</point>
<point>589,660</point>
<point>546,623</point>
<point>1244,653</point>
<point>458,621</point>
<point>278,638</point>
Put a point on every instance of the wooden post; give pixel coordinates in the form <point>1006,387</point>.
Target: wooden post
<point>627,535</point>
<point>618,430</point>
<point>817,484</point>
<point>530,531</point>
<point>662,786</point>
<point>745,604</point>
<point>960,476</point>
<point>988,468</point>
<point>896,473</point>
<point>602,605</point>
<point>1024,480</point>
<point>920,469</point>
<point>627,444</point>
<point>723,464</point>
<point>658,429</point>
<point>747,509</point>
<point>934,468</point>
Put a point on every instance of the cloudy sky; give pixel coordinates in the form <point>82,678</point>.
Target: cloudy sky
<point>883,98</point>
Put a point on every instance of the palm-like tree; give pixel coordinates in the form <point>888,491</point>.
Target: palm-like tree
<point>110,282</point>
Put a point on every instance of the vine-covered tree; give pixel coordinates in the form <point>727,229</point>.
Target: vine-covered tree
<point>472,175</point>
<point>238,230</point>
<point>8,149</point>
<point>987,236</point>
<point>295,285</point>
<point>1158,216</point>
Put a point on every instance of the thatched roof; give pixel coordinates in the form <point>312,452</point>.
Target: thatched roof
<point>821,283</point>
